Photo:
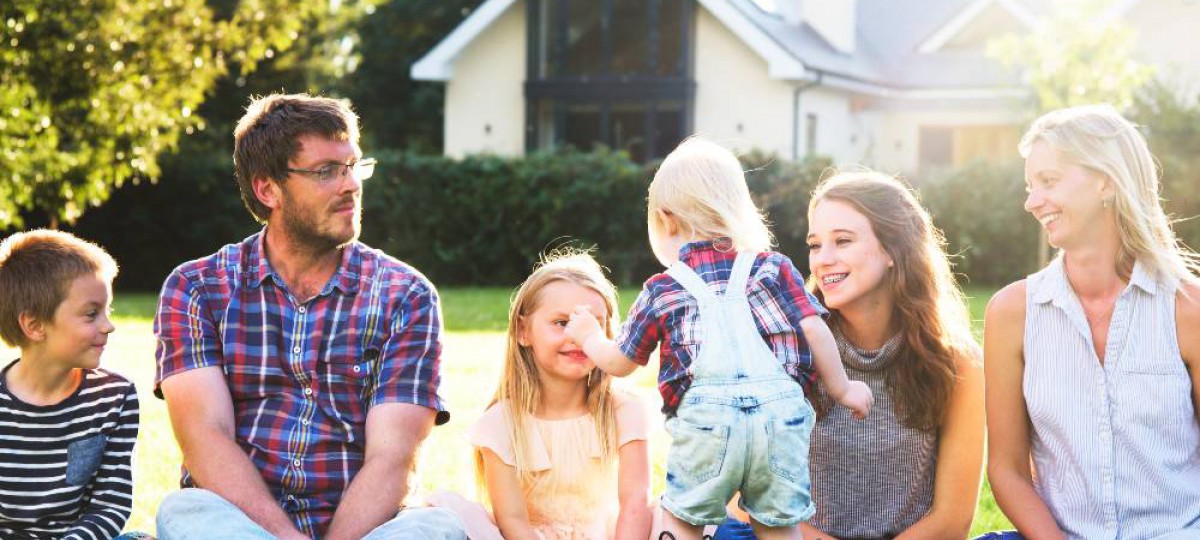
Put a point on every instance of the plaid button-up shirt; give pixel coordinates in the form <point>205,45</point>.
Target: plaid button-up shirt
<point>666,316</point>
<point>303,375</point>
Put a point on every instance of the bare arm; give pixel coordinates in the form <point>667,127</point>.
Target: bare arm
<point>960,459</point>
<point>201,412</point>
<point>508,499</point>
<point>585,331</point>
<point>808,532</point>
<point>394,432</point>
<point>1187,319</point>
<point>633,491</point>
<point>1009,467</point>
<point>854,395</point>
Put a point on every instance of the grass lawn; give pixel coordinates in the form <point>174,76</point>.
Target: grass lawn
<point>475,322</point>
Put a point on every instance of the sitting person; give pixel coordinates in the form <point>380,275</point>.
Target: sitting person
<point>902,327</point>
<point>300,367</point>
<point>1093,363</point>
<point>560,455</point>
<point>67,427</point>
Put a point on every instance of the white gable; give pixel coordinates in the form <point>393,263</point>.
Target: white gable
<point>438,64</point>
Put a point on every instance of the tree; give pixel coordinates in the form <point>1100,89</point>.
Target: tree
<point>92,92</point>
<point>403,113</point>
<point>1075,56</point>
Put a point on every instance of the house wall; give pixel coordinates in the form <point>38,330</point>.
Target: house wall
<point>485,102</point>
<point>896,146</point>
<point>740,106</point>
<point>1165,30</point>
<point>737,104</point>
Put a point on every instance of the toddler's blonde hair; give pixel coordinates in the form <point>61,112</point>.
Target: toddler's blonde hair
<point>702,185</point>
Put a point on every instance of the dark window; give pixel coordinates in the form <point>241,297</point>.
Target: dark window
<point>609,72</point>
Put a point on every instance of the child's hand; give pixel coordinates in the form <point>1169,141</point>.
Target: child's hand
<point>858,399</point>
<point>583,325</point>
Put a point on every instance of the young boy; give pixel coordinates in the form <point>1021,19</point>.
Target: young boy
<point>67,428</point>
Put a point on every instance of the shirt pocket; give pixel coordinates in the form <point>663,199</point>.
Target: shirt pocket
<point>1156,393</point>
<point>350,369</point>
<point>83,459</point>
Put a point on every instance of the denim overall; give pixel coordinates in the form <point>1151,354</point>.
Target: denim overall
<point>743,424</point>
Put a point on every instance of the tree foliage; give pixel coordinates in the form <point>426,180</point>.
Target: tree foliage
<point>404,114</point>
<point>1076,56</point>
<point>92,92</point>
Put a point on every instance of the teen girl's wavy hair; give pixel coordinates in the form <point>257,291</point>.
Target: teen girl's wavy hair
<point>519,391</point>
<point>1100,139</point>
<point>929,309</point>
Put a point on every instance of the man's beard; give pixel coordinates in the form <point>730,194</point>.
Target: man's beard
<point>303,227</point>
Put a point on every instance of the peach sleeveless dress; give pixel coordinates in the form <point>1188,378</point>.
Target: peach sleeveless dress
<point>572,494</point>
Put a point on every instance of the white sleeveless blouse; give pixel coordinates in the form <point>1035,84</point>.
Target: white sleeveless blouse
<point>1116,447</point>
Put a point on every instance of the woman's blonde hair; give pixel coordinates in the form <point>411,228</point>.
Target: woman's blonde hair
<point>703,186</point>
<point>519,391</point>
<point>928,309</point>
<point>1099,138</point>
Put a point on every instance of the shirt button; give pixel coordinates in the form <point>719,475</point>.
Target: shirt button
<point>308,391</point>
<point>302,309</point>
<point>356,369</point>
<point>304,421</point>
<point>296,463</point>
<point>296,349</point>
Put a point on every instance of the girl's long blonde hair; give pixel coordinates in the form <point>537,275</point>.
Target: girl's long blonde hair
<point>928,309</point>
<point>519,391</point>
<point>702,184</point>
<point>1099,138</point>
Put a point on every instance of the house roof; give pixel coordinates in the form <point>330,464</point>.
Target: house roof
<point>900,45</point>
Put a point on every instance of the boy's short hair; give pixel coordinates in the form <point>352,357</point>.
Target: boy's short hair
<point>36,271</point>
<point>267,136</point>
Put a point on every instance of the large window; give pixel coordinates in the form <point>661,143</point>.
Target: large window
<point>609,72</point>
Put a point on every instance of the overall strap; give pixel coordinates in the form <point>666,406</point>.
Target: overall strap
<point>739,277</point>
<point>691,281</point>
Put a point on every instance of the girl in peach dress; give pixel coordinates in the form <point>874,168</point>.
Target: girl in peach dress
<point>559,454</point>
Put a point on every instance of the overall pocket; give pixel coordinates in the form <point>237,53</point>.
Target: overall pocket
<point>697,452</point>
<point>787,447</point>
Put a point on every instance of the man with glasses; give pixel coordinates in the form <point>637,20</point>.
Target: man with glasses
<point>299,366</point>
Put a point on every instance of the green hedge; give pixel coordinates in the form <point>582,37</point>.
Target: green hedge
<point>980,209</point>
<point>483,220</point>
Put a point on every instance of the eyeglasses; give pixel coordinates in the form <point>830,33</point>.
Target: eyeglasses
<point>360,170</point>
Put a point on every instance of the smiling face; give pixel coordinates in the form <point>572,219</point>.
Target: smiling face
<point>323,216</point>
<point>845,256</point>
<point>542,331</point>
<point>1066,198</point>
<point>77,334</point>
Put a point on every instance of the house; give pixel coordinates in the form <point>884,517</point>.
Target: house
<point>900,85</point>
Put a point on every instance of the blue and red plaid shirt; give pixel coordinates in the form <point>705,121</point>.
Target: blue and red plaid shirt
<point>666,316</point>
<point>304,375</point>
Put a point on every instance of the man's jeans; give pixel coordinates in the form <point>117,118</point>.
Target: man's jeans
<point>197,513</point>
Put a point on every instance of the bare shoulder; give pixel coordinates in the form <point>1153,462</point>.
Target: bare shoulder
<point>1187,303</point>
<point>1187,315</point>
<point>1008,302</point>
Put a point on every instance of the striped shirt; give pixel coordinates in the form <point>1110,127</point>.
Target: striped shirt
<point>303,375</point>
<point>65,468</point>
<point>1116,446</point>
<point>666,316</point>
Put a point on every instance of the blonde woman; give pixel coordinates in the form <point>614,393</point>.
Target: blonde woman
<point>1092,363</point>
<point>738,339</point>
